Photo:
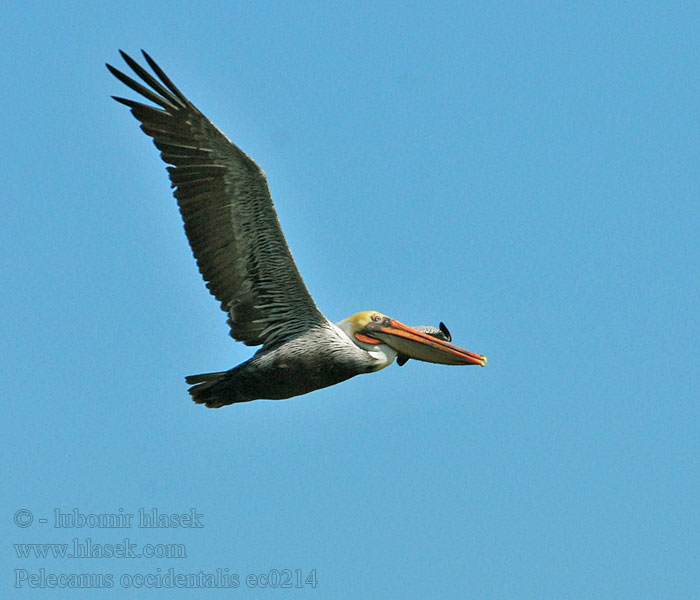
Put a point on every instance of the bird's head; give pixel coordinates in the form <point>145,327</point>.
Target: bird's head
<point>374,331</point>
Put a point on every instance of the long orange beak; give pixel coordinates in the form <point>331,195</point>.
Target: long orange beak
<point>421,346</point>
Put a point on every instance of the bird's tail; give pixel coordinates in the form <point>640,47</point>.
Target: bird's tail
<point>215,389</point>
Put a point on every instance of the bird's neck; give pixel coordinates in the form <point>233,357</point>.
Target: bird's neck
<point>375,356</point>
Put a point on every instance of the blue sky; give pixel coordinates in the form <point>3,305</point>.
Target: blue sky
<point>528,173</point>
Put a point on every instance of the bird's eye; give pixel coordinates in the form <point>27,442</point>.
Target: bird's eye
<point>377,318</point>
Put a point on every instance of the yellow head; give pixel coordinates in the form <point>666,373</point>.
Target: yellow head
<point>381,335</point>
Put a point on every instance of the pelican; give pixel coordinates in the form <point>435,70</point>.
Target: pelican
<point>235,236</point>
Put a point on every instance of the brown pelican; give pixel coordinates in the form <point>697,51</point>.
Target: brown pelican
<point>237,241</point>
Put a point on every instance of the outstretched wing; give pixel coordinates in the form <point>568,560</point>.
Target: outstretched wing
<point>229,217</point>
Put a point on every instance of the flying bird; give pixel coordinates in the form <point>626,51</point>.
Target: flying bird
<point>241,252</point>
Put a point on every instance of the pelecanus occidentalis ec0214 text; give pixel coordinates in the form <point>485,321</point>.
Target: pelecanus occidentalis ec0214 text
<point>237,241</point>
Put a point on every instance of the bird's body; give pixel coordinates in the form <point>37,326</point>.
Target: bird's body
<point>235,236</point>
<point>317,358</point>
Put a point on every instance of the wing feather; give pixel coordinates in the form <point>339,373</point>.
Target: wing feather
<point>229,217</point>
